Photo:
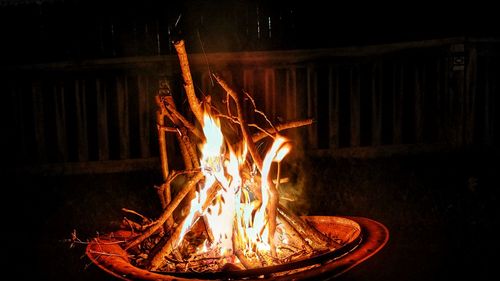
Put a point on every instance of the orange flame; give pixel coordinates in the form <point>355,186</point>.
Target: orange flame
<point>236,217</point>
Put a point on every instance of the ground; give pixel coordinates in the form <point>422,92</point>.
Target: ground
<point>441,209</point>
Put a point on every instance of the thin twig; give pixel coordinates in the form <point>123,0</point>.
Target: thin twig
<point>205,56</point>
<point>107,254</point>
<point>243,125</point>
<point>137,214</point>
<point>258,111</point>
<point>235,120</point>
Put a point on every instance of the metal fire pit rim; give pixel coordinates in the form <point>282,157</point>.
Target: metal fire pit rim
<point>374,237</point>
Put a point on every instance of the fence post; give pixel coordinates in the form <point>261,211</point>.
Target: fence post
<point>470,93</point>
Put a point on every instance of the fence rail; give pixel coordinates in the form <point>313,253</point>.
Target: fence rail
<point>72,116</point>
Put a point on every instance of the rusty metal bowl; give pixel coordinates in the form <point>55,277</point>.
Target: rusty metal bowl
<point>360,238</point>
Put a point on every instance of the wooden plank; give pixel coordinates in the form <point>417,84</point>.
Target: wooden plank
<point>249,86</point>
<point>397,103</point>
<point>94,167</point>
<point>470,96</point>
<point>227,75</point>
<point>18,134</point>
<point>492,95</point>
<point>290,102</point>
<point>447,125</point>
<point>312,92</point>
<point>270,93</point>
<point>439,102</point>
<point>333,100</point>
<point>291,94</point>
<point>382,151</point>
<point>123,117</point>
<point>490,106</point>
<point>419,79</point>
<point>248,80</point>
<point>60,119</point>
<point>488,128</point>
<point>377,92</point>
<point>458,88</point>
<point>102,120</point>
<point>81,121</point>
<point>39,121</point>
<point>355,81</point>
<point>144,115</point>
<point>280,95</point>
<point>259,58</point>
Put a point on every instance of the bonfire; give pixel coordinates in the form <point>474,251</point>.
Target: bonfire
<point>226,216</point>
<point>234,218</point>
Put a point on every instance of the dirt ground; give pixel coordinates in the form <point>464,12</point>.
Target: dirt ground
<point>441,209</point>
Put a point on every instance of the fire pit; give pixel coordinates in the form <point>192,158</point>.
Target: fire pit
<point>226,220</point>
<point>360,238</point>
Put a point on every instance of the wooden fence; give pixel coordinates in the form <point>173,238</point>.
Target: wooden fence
<point>98,116</point>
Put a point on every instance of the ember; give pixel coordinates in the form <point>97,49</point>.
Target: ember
<point>231,219</point>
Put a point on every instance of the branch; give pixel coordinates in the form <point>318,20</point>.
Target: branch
<point>281,127</point>
<point>168,211</point>
<point>243,124</point>
<point>188,81</point>
<point>258,111</point>
<point>185,122</point>
<point>159,258</point>
<point>164,193</point>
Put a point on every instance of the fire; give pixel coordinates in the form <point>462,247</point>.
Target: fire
<point>234,216</point>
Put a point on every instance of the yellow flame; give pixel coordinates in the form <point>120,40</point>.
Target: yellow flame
<point>236,214</point>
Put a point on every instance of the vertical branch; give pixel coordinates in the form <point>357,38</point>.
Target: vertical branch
<point>164,191</point>
<point>188,81</point>
<point>160,121</point>
<point>188,151</point>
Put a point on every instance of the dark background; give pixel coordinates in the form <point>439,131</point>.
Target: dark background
<point>55,30</point>
<point>441,210</point>
<point>440,207</point>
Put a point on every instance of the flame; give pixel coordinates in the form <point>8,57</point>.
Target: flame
<point>235,217</point>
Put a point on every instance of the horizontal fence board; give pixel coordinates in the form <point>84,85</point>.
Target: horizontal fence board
<point>375,97</point>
